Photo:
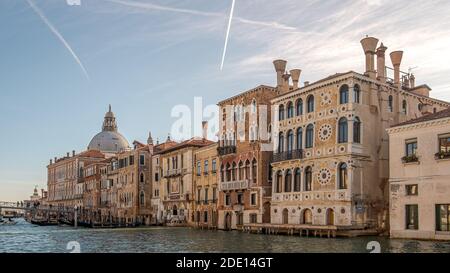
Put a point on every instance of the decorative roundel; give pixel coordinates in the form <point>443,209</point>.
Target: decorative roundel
<point>326,98</point>
<point>342,210</point>
<point>324,176</point>
<point>319,210</point>
<point>325,132</point>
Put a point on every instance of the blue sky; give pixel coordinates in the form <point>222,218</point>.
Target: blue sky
<point>146,56</point>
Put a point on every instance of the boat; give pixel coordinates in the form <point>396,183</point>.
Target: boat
<point>43,222</point>
<point>4,222</point>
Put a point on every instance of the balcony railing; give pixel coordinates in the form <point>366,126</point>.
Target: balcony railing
<point>410,158</point>
<point>289,155</point>
<point>225,150</point>
<point>234,185</point>
<point>174,172</point>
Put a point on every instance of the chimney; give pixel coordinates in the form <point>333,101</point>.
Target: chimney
<point>369,45</point>
<point>286,78</point>
<point>295,74</point>
<point>381,63</point>
<point>412,81</point>
<point>55,159</point>
<point>280,68</point>
<point>306,83</point>
<point>205,129</point>
<point>73,152</point>
<point>396,59</point>
<point>68,154</point>
<point>51,161</point>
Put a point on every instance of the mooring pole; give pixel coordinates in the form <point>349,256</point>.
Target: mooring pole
<point>75,217</point>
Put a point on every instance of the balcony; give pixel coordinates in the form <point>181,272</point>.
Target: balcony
<point>234,185</point>
<point>289,155</point>
<point>225,150</point>
<point>410,159</point>
<point>174,172</point>
<point>442,155</point>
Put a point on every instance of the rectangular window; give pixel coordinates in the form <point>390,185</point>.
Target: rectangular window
<point>240,198</point>
<point>443,217</point>
<point>412,189</point>
<point>444,147</point>
<point>142,160</point>
<point>253,199</point>
<point>253,218</point>
<point>131,159</point>
<point>411,147</point>
<point>206,167</point>
<point>206,195</point>
<point>412,217</point>
<point>156,177</point>
<point>214,195</point>
<point>199,168</point>
<point>213,166</point>
<point>199,192</point>
<point>227,200</point>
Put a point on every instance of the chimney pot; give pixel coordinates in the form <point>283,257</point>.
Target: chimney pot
<point>369,45</point>
<point>396,59</point>
<point>295,74</point>
<point>381,63</point>
<point>73,152</point>
<point>51,161</point>
<point>68,154</point>
<point>280,68</point>
<point>412,80</point>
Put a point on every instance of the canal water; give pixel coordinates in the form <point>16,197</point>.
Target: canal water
<point>25,237</point>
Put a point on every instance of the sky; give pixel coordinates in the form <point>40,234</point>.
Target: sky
<point>61,65</point>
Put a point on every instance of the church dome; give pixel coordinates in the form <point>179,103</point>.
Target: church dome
<point>109,140</point>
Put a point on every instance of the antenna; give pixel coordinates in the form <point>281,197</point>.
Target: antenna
<point>410,69</point>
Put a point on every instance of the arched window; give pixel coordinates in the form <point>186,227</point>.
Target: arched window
<point>280,142</point>
<point>310,102</point>
<point>254,106</point>
<point>299,138</point>
<point>343,176</point>
<point>290,141</point>
<point>142,198</point>
<point>307,217</point>
<point>290,110</point>
<point>279,182</point>
<point>247,169</point>
<point>309,136</point>
<point>297,176</point>
<point>241,170</point>
<point>356,93</point>
<point>228,172</point>
<point>357,130</point>
<point>281,112</point>
<point>404,107</point>
<point>391,104</point>
<point>308,179</point>
<point>233,172</point>
<point>288,181</point>
<point>254,170</point>
<point>343,94</point>
<point>299,107</point>
<point>343,130</point>
<point>141,178</point>
<point>222,173</point>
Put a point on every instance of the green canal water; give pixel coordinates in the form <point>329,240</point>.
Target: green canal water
<point>25,237</point>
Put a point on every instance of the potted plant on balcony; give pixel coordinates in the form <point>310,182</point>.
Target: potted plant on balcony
<point>410,158</point>
<point>442,155</point>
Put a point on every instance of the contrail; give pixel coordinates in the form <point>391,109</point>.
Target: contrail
<point>60,37</point>
<point>150,6</point>
<point>228,34</point>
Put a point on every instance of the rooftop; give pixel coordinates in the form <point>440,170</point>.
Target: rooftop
<point>438,115</point>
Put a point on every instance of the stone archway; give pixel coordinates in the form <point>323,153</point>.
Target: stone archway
<point>227,221</point>
<point>266,214</point>
<point>306,217</point>
<point>330,217</point>
<point>285,217</point>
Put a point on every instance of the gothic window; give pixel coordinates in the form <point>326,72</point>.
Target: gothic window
<point>308,179</point>
<point>299,138</point>
<point>343,94</point>
<point>141,178</point>
<point>281,112</point>
<point>290,141</point>
<point>290,110</point>
<point>391,104</point>
<point>299,107</point>
<point>309,136</point>
<point>279,182</point>
<point>254,170</point>
<point>404,107</point>
<point>310,102</point>
<point>343,176</point>
<point>343,130</point>
<point>357,130</point>
<point>356,93</point>
<point>288,181</point>
<point>280,142</point>
<point>297,176</point>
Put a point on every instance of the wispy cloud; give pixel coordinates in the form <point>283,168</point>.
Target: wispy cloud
<point>58,35</point>
<point>150,6</point>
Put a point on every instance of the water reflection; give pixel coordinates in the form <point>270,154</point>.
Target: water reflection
<point>25,237</point>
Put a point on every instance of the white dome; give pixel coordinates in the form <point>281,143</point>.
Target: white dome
<point>108,142</point>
